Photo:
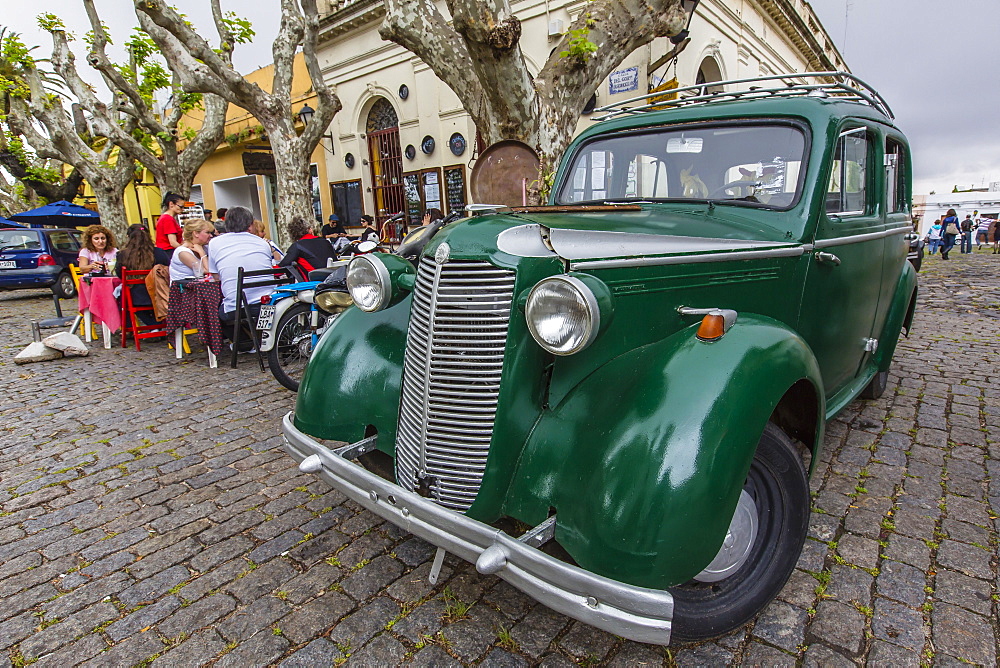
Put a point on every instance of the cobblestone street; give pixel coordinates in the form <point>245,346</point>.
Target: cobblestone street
<point>149,515</point>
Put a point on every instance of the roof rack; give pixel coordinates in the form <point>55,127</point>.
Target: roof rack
<point>841,85</point>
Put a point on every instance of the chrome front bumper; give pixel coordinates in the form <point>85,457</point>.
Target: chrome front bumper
<point>636,613</point>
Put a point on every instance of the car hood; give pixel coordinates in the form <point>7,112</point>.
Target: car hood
<point>578,235</point>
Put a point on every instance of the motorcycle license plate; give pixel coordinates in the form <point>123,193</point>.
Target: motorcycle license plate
<point>8,264</point>
<point>266,317</point>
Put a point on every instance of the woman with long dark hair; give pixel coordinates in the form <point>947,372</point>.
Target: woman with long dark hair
<point>949,232</point>
<point>139,253</point>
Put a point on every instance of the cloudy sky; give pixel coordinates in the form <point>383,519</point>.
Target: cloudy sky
<point>944,88</point>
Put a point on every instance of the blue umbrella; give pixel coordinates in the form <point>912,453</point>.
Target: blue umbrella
<point>4,223</point>
<point>61,214</point>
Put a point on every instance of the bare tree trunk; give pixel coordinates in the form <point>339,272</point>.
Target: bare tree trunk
<point>111,206</point>
<point>479,57</point>
<point>201,69</point>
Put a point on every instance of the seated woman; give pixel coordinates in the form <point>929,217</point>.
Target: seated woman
<point>190,259</point>
<point>97,257</point>
<point>259,229</point>
<point>308,250</point>
<point>139,254</point>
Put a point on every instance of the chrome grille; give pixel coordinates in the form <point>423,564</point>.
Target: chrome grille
<point>451,378</point>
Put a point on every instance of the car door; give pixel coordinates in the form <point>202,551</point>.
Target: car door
<point>844,279</point>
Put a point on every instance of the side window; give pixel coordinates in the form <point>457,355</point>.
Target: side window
<point>895,177</point>
<point>63,241</point>
<point>847,192</point>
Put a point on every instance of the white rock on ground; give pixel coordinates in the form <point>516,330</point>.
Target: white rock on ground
<point>37,352</point>
<point>69,344</point>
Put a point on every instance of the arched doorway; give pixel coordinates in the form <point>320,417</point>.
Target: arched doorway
<point>385,159</point>
<point>708,72</point>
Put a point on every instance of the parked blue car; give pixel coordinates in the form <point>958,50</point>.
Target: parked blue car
<point>38,258</point>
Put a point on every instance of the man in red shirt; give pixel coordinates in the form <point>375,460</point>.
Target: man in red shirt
<point>168,230</point>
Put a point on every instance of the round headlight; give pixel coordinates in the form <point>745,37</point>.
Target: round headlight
<point>563,315</point>
<point>368,283</point>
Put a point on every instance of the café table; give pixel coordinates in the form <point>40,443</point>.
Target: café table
<point>97,301</point>
<point>195,304</point>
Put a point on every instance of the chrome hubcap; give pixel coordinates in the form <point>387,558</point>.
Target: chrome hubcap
<point>737,544</point>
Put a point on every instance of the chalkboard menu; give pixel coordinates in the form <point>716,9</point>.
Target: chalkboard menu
<point>454,186</point>
<point>346,197</point>
<point>414,205</point>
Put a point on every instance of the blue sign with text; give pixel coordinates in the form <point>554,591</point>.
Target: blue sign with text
<point>622,81</point>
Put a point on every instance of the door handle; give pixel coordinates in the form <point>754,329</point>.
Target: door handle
<point>828,258</point>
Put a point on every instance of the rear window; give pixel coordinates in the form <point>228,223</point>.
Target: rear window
<point>63,240</point>
<point>19,240</point>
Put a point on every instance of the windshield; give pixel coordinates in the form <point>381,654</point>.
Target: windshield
<point>750,165</point>
<point>19,240</point>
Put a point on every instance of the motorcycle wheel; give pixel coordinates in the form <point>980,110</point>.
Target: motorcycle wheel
<point>293,345</point>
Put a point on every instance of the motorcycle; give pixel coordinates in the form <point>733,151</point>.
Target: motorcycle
<point>293,318</point>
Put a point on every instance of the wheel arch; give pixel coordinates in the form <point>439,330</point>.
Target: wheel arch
<point>799,414</point>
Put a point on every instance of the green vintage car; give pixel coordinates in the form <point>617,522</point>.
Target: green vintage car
<point>614,401</point>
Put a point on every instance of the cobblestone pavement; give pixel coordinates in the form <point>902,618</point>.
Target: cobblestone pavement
<point>148,514</point>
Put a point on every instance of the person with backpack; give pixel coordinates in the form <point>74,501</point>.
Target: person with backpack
<point>950,232</point>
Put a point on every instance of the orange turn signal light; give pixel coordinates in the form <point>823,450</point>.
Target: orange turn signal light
<point>712,327</point>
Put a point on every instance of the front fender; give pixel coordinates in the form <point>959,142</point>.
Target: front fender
<point>355,370</point>
<point>645,459</point>
<point>900,316</point>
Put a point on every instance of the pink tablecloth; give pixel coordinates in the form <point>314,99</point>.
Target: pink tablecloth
<point>97,294</point>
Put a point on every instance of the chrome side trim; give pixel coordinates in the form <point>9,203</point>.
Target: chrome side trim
<point>524,241</point>
<point>636,613</point>
<point>732,256</point>
<point>597,245</point>
<point>861,238</point>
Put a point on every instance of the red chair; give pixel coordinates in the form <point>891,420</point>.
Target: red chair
<point>130,323</point>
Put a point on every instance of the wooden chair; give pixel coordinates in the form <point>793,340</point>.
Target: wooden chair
<point>75,273</point>
<point>258,278</point>
<point>130,322</point>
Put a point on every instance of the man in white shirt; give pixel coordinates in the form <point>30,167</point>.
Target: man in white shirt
<point>238,248</point>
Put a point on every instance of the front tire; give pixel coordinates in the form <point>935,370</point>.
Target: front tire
<point>293,345</point>
<point>780,491</point>
<point>64,288</point>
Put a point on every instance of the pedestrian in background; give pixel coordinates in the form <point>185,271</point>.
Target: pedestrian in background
<point>983,232</point>
<point>934,237</point>
<point>949,232</point>
<point>968,225</point>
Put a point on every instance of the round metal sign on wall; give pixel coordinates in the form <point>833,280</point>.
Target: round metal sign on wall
<point>410,152</point>
<point>349,160</point>
<point>427,145</point>
<point>404,91</point>
<point>503,174</point>
<point>457,144</point>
